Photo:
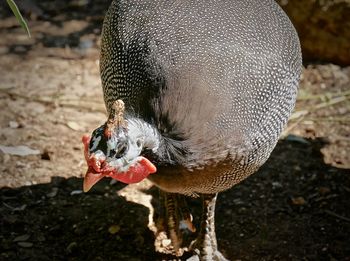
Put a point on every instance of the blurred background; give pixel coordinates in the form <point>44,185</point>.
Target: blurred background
<point>296,208</point>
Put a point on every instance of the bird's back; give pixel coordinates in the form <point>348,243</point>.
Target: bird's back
<point>219,76</point>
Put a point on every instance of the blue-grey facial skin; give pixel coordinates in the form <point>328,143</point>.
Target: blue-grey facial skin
<point>121,149</point>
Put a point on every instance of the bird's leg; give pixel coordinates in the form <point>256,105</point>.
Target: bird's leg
<point>174,218</point>
<point>205,246</point>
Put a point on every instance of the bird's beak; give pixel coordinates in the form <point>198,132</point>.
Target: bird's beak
<point>91,178</point>
<point>93,174</point>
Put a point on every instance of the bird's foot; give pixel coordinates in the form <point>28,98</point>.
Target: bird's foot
<point>205,250</point>
<point>217,256</point>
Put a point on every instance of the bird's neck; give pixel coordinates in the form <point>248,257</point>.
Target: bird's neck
<point>162,149</point>
<point>150,135</point>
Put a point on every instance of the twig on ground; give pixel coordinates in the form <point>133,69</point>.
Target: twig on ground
<point>89,105</point>
<point>331,213</point>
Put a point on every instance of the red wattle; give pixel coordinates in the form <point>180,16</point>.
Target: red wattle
<point>98,169</point>
<point>136,173</point>
<point>86,141</point>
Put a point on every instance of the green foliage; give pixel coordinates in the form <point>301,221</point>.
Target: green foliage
<point>18,15</point>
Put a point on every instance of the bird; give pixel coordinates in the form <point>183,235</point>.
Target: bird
<point>197,93</point>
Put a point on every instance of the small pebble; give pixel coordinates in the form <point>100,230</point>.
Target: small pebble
<point>324,190</point>
<point>71,247</point>
<point>13,124</point>
<point>166,242</point>
<point>53,193</point>
<point>25,244</point>
<point>20,49</point>
<point>299,201</point>
<point>276,185</point>
<point>76,192</point>
<point>45,155</point>
<point>21,238</point>
<point>114,229</point>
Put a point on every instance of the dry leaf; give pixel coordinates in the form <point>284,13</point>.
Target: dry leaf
<point>299,201</point>
<point>19,150</point>
<point>25,244</point>
<point>113,229</point>
<point>73,125</point>
<point>21,238</point>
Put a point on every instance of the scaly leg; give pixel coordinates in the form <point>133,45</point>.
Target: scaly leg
<point>205,246</point>
<point>172,217</point>
<point>175,217</point>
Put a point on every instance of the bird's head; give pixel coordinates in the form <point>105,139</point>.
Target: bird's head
<point>114,150</point>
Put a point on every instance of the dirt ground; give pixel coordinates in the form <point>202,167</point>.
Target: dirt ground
<point>295,208</point>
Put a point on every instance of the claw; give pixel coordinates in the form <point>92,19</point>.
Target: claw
<point>187,223</point>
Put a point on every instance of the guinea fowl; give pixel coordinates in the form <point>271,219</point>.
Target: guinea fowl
<point>208,87</point>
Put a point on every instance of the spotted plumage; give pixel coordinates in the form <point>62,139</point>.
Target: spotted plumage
<point>208,86</point>
<point>218,77</point>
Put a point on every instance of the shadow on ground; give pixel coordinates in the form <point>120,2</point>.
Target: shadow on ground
<point>295,208</point>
